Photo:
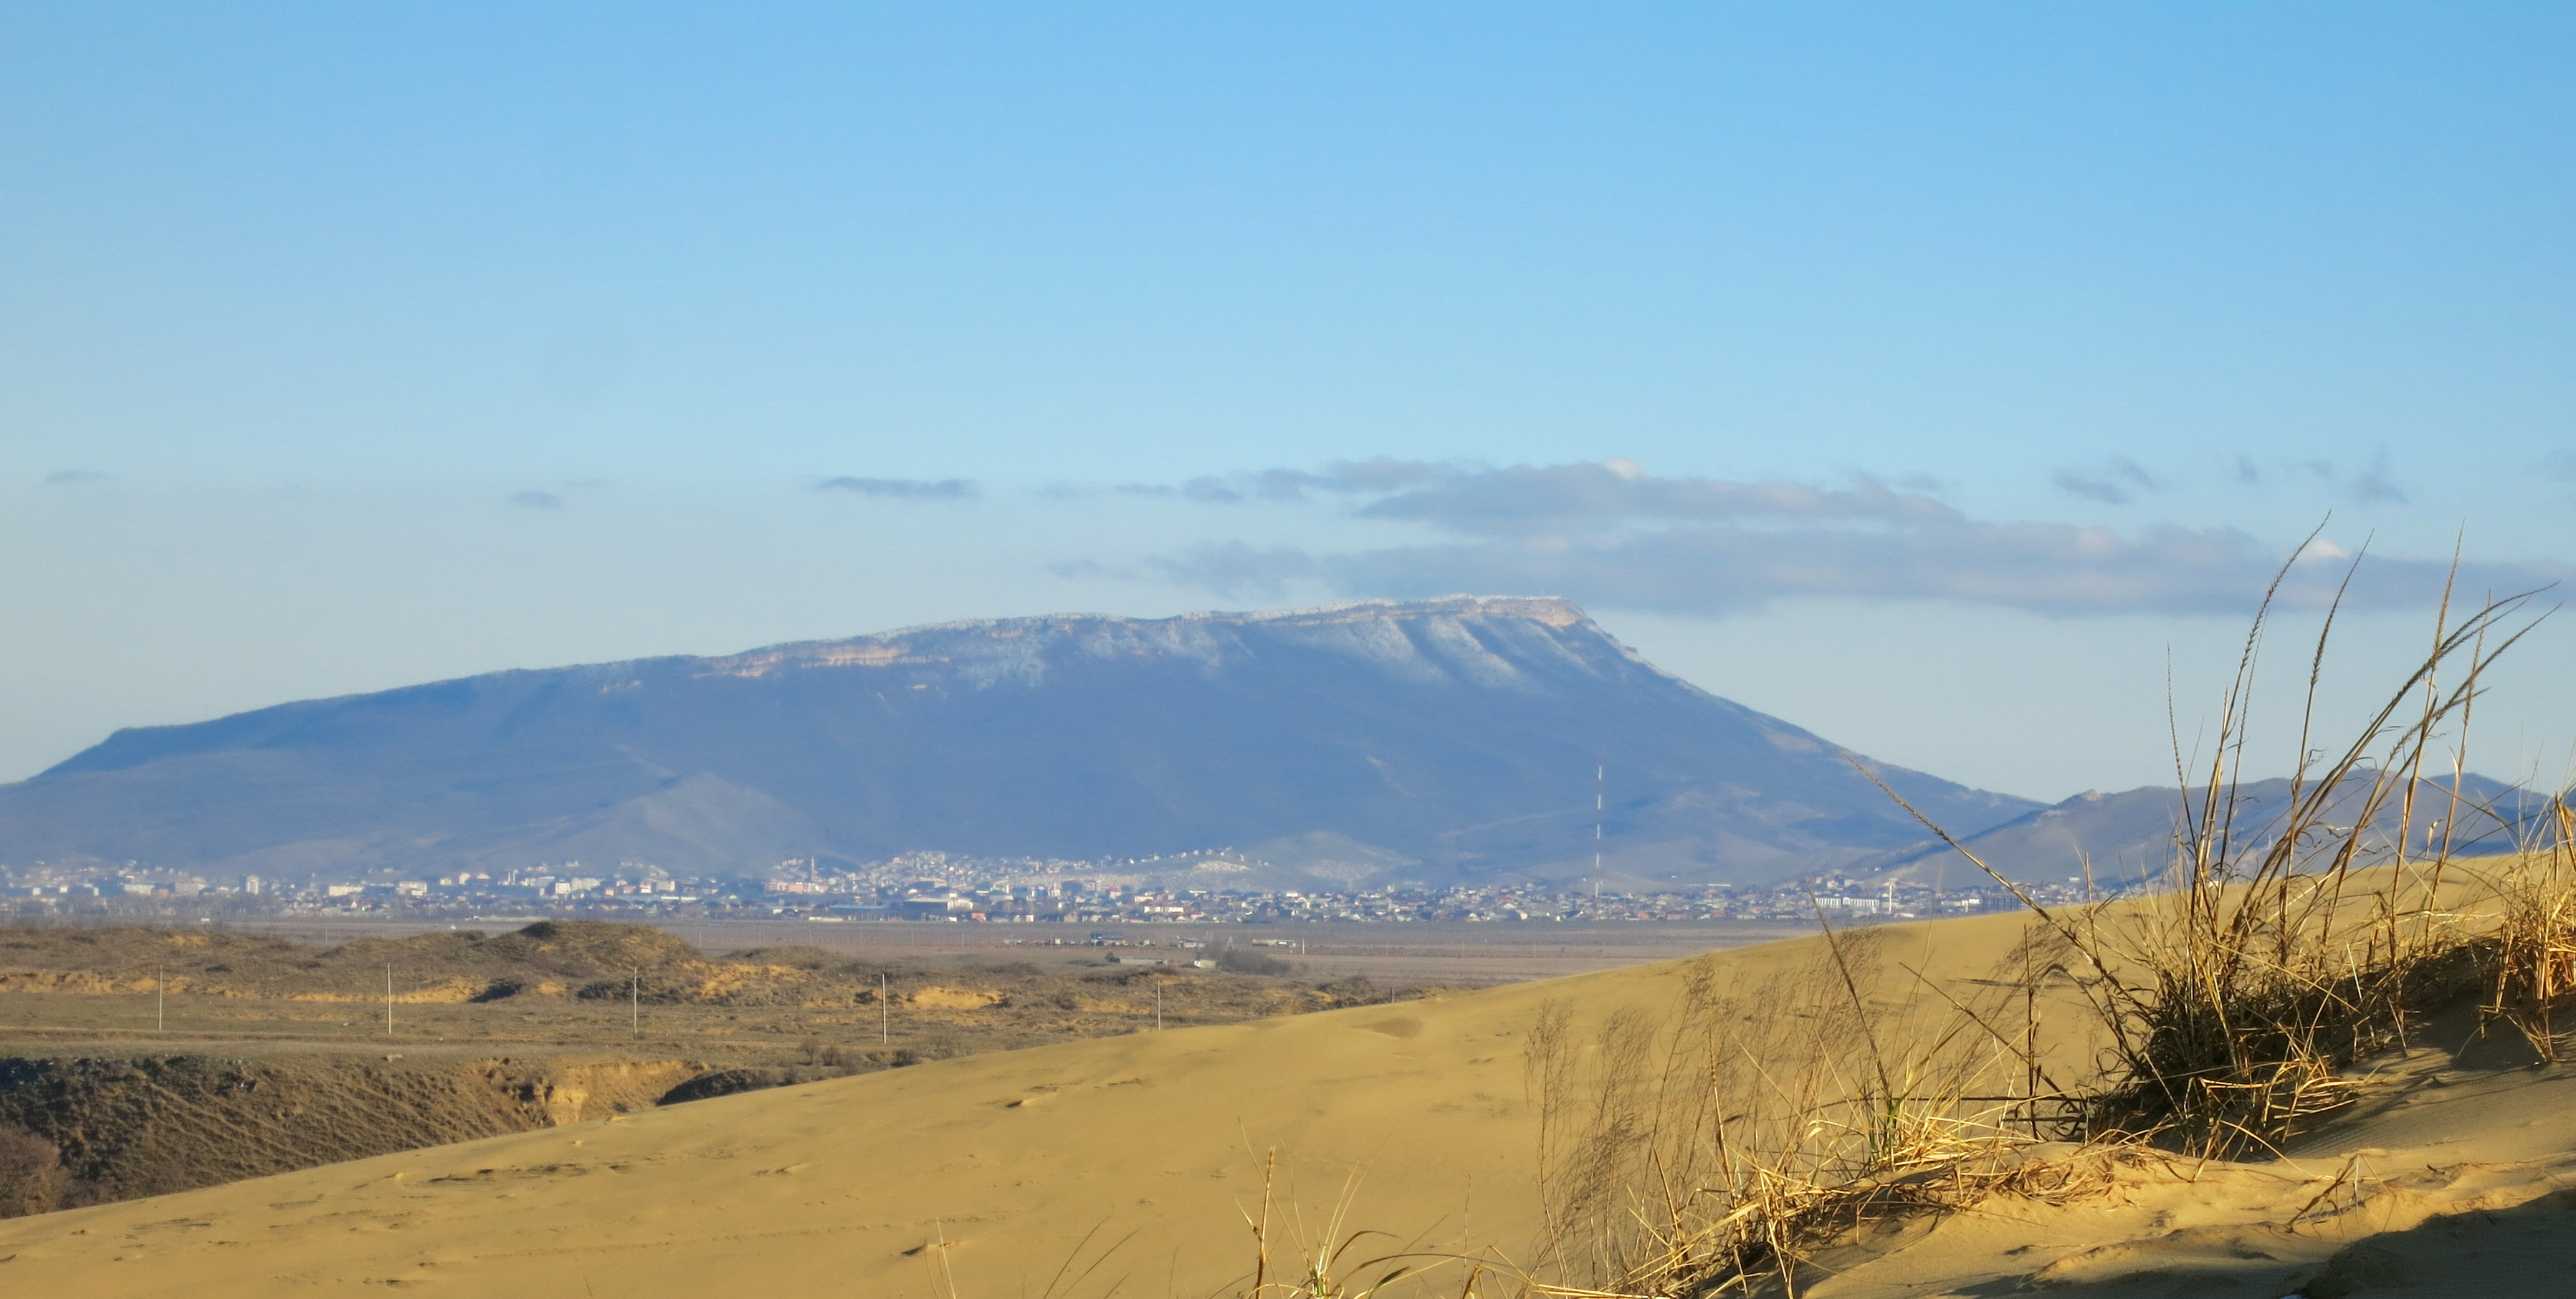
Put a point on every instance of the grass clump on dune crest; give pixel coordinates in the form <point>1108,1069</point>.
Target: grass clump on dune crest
<point>2280,949</point>
<point>1717,1153</point>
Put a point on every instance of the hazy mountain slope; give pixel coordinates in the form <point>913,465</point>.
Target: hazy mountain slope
<point>2129,836</point>
<point>1460,732</point>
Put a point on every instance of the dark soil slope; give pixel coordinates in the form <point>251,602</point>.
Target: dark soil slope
<point>129,1126</point>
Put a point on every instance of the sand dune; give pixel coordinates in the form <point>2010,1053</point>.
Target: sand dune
<point>1139,1154</point>
<point>2458,1190</point>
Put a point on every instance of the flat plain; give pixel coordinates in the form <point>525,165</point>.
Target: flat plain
<point>1440,952</point>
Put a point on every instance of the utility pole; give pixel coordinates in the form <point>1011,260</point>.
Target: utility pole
<point>1158,1005</point>
<point>885,1013</point>
<point>635,1001</point>
<point>389,999</point>
<point>160,999</point>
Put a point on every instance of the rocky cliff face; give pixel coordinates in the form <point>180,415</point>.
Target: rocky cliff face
<point>1456,736</point>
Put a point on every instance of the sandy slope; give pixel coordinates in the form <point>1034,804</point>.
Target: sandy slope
<point>2458,1187</point>
<point>1155,1140</point>
<point>834,1188</point>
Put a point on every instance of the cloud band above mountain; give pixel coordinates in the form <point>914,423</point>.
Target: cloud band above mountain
<point>1613,535</point>
<point>902,488</point>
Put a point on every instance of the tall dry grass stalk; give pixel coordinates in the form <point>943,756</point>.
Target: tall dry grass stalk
<point>2232,994</point>
<point>1715,1149</point>
<point>1328,1258</point>
<point>2532,947</point>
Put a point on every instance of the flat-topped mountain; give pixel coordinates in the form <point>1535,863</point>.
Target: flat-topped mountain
<point>1434,740</point>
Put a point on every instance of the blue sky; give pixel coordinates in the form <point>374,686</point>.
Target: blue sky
<point>1929,376</point>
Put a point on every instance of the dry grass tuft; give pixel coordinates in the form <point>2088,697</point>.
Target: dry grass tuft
<point>1717,1150</point>
<point>2233,995</point>
<point>2533,956</point>
<point>1328,1258</point>
<point>1722,1151</point>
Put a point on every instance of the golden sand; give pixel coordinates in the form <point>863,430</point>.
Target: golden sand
<point>988,1175</point>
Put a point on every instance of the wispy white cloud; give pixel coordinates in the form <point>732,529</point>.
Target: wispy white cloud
<point>1613,534</point>
<point>2376,483</point>
<point>902,488</point>
<point>1231,568</point>
<point>1211,491</point>
<point>1556,500</point>
<point>2116,482</point>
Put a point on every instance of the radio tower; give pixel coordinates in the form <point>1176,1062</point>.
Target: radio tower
<point>1600,787</point>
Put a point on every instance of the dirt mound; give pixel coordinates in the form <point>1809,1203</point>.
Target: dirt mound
<point>590,947</point>
<point>938,998</point>
<point>795,956</point>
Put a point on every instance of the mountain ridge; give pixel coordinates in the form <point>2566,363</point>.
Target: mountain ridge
<point>2126,839</point>
<point>760,660</point>
<point>1460,732</point>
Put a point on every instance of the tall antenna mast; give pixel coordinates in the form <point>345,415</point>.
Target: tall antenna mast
<point>1600,789</point>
